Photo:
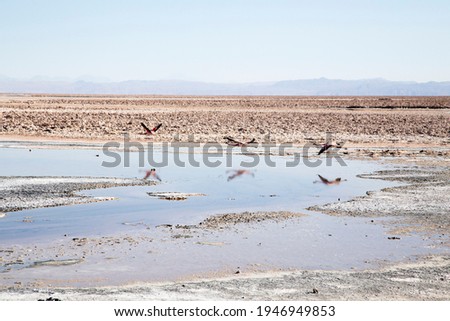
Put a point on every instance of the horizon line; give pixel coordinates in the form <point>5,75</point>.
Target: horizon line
<point>80,79</point>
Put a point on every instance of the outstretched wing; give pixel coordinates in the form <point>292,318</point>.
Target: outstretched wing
<point>231,140</point>
<point>146,128</point>
<point>324,148</point>
<point>156,127</point>
<point>231,177</point>
<point>324,180</point>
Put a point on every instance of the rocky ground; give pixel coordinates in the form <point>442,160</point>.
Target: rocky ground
<point>395,121</point>
<point>421,205</point>
<point>421,278</point>
<point>400,130</point>
<point>427,279</point>
<point>230,219</point>
<point>20,193</point>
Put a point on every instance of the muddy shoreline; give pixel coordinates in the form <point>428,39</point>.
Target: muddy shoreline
<point>421,205</point>
<point>382,150</point>
<point>409,133</point>
<point>428,278</point>
<point>27,192</point>
<point>416,278</point>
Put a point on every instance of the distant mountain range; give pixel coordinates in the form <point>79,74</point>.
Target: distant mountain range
<point>310,87</point>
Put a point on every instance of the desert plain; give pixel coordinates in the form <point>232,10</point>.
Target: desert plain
<point>410,135</point>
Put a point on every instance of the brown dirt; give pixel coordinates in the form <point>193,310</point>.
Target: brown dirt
<point>362,120</point>
<point>398,123</point>
<point>230,219</point>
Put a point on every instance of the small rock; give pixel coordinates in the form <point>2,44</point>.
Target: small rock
<point>50,299</point>
<point>164,225</point>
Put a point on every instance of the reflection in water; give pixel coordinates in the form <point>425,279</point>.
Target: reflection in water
<point>312,241</point>
<point>293,186</point>
<point>232,174</point>
<point>151,173</point>
<point>325,181</point>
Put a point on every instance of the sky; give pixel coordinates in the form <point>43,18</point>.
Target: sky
<point>225,40</point>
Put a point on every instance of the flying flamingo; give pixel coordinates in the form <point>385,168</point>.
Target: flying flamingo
<point>235,143</point>
<point>325,147</point>
<point>149,131</point>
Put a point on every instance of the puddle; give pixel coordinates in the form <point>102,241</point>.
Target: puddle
<point>313,241</point>
<point>277,188</point>
<point>20,264</point>
<point>56,262</point>
<point>173,196</point>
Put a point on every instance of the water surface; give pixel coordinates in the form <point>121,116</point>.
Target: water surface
<point>314,241</point>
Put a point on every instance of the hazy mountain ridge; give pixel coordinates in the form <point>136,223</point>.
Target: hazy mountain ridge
<point>319,87</point>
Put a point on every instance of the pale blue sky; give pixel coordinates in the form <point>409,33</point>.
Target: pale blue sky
<point>226,40</point>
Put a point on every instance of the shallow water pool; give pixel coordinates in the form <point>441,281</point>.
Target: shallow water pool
<point>312,241</point>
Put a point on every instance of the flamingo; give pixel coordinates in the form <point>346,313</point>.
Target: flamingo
<point>151,173</point>
<point>337,181</point>
<point>325,147</point>
<point>235,143</point>
<point>239,172</point>
<point>149,131</point>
